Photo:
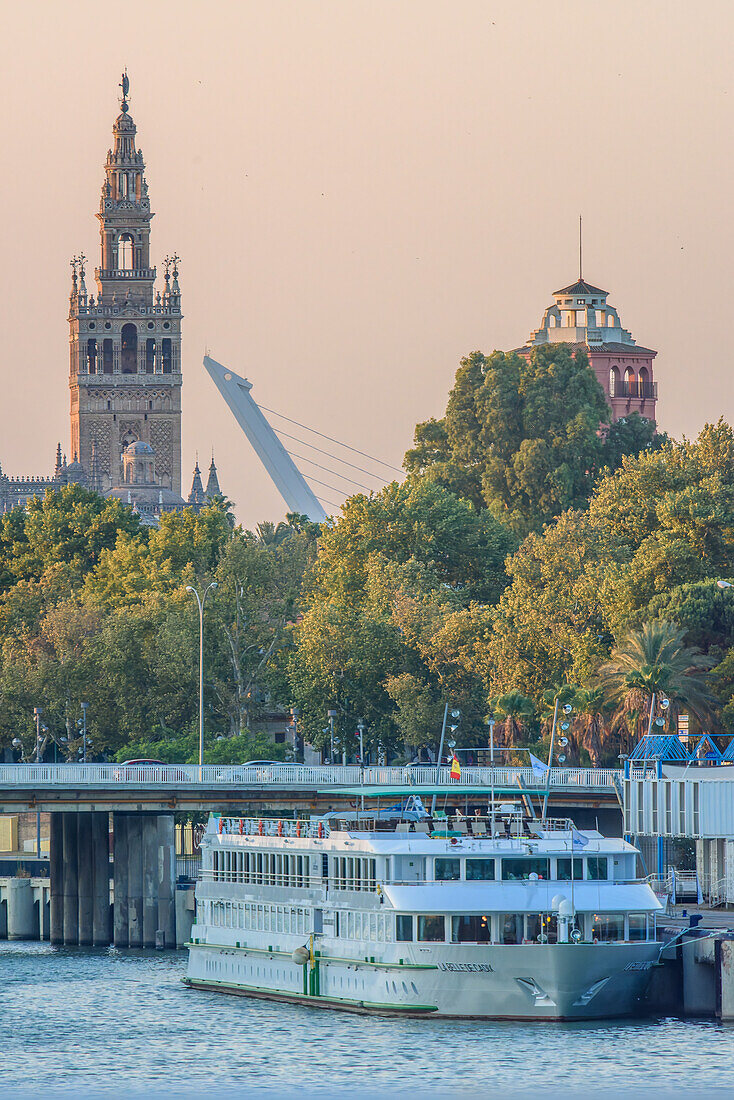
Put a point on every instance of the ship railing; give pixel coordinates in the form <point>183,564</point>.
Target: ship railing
<point>275,827</point>
<point>476,826</point>
<point>362,885</point>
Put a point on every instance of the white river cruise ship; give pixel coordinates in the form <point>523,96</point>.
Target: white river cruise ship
<point>504,918</point>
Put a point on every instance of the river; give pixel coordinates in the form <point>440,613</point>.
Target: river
<point>121,1022</point>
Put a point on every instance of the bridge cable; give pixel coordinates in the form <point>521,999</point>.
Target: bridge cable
<point>336,473</point>
<point>343,461</point>
<point>332,440</point>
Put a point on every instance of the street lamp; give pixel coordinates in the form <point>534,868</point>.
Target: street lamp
<point>361,728</point>
<point>84,730</point>
<point>201,601</point>
<point>37,713</point>
<point>331,715</point>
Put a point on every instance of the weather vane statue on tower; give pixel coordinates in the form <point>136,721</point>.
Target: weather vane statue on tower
<point>125,85</point>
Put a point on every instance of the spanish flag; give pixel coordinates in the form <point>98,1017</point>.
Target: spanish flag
<point>455,768</point>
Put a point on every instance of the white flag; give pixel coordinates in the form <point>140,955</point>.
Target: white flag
<point>539,768</point>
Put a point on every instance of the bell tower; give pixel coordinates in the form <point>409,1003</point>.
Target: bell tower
<point>125,344</point>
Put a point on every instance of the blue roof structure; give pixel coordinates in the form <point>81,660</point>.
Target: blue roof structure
<point>668,748</point>
<point>660,746</point>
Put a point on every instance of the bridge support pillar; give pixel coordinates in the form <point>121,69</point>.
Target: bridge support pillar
<point>135,880</point>
<point>150,879</point>
<point>56,870</point>
<point>70,875</point>
<point>85,873</point>
<point>167,879</point>
<point>21,922</point>
<point>101,860</point>
<point>121,886</point>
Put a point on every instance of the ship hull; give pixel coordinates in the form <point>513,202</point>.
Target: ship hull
<point>496,982</point>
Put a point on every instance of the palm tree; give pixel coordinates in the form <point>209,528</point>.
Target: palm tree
<point>595,734</point>
<point>270,535</point>
<point>513,707</point>
<point>655,661</point>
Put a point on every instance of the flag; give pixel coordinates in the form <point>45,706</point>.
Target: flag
<point>539,768</point>
<point>578,840</point>
<point>455,768</point>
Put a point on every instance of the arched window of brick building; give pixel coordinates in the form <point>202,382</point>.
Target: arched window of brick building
<point>630,387</point>
<point>645,388</point>
<point>91,356</point>
<point>613,382</point>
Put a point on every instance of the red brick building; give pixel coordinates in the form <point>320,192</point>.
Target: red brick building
<point>581,316</point>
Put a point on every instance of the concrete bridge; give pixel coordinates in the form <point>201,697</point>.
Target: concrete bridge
<point>239,788</point>
<point>142,801</point>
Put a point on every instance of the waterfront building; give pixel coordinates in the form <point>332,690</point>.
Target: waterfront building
<point>581,315</point>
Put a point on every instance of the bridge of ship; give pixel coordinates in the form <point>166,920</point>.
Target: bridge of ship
<point>181,787</point>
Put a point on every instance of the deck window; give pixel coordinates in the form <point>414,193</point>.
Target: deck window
<point>514,869</point>
<point>563,869</point>
<point>431,929</point>
<point>596,868</point>
<point>468,928</point>
<point>479,870</point>
<point>511,927</point>
<point>541,928</point>
<point>607,926</point>
<point>448,870</point>
<point>403,928</point>
<point>637,926</point>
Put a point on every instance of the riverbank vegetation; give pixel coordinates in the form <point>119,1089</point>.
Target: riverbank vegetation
<point>528,551</point>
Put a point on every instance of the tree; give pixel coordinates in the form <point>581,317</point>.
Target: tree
<point>594,733</point>
<point>631,435</point>
<point>655,661</point>
<point>374,639</point>
<point>526,432</point>
<point>656,534</point>
<point>72,526</point>
<point>513,707</point>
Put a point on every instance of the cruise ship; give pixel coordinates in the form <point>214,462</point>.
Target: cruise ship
<point>498,917</point>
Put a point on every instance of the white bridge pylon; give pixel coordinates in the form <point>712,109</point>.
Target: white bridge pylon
<point>287,478</point>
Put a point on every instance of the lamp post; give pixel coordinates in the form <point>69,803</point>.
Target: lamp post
<point>84,731</point>
<point>201,601</point>
<point>490,723</point>
<point>37,714</point>
<point>361,728</point>
<point>454,714</point>
<point>331,715</point>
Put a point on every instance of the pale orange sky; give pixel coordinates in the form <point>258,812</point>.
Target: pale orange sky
<point>361,193</point>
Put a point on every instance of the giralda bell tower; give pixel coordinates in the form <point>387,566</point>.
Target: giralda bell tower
<point>125,376</point>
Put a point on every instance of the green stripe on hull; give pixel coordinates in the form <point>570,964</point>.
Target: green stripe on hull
<point>313,1001</point>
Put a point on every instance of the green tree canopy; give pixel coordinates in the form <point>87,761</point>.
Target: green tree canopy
<point>522,435</point>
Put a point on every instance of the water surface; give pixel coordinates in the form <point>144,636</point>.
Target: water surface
<point>108,1021</point>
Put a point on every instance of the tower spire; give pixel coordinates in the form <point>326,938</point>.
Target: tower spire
<point>581,257</point>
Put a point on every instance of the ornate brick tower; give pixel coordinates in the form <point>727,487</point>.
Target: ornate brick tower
<point>125,347</point>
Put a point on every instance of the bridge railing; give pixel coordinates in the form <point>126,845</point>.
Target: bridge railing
<point>297,775</point>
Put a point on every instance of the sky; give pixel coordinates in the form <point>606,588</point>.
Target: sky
<point>363,192</point>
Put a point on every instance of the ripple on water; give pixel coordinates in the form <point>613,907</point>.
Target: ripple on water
<point>102,1019</point>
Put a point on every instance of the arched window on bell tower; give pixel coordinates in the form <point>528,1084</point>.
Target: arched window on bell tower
<point>91,356</point>
<point>129,348</point>
<point>125,252</point>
